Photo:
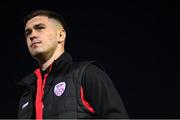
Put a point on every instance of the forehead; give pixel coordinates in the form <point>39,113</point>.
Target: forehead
<point>37,20</point>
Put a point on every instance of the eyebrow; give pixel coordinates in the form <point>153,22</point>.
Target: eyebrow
<point>35,26</point>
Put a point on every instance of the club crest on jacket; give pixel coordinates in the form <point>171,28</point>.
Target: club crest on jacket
<point>59,88</point>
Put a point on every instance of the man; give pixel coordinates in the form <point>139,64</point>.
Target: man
<point>61,88</point>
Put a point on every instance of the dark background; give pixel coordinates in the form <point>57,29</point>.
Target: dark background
<point>137,42</point>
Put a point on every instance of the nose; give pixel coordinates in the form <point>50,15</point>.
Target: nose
<point>33,35</point>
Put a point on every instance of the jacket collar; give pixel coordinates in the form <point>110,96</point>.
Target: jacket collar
<point>61,62</point>
<point>57,66</point>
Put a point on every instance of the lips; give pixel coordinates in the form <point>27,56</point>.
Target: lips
<point>35,43</point>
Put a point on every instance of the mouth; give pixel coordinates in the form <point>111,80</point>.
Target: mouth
<point>33,44</point>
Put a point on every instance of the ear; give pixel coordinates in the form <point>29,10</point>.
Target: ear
<point>61,35</point>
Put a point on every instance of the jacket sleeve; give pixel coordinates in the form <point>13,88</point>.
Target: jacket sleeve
<point>101,94</point>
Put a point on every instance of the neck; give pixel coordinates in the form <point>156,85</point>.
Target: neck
<point>47,63</point>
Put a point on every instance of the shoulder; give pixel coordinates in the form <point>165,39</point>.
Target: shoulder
<point>85,66</point>
<point>27,80</point>
<point>95,75</point>
<point>88,66</point>
<point>26,84</point>
<point>94,69</point>
<point>87,70</point>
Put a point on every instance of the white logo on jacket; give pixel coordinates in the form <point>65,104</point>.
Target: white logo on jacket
<point>25,105</point>
<point>59,88</point>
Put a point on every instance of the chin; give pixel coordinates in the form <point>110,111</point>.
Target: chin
<point>36,53</point>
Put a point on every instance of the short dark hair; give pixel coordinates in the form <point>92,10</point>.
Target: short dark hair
<point>49,14</point>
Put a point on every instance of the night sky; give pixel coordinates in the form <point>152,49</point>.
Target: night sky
<point>137,42</point>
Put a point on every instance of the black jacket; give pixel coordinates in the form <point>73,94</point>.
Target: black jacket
<point>98,91</point>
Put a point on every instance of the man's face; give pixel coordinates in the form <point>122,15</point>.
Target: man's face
<point>41,36</point>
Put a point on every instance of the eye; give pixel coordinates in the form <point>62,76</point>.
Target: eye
<point>39,28</point>
<point>28,32</point>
